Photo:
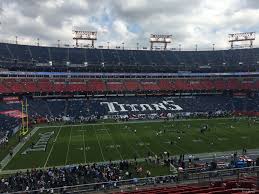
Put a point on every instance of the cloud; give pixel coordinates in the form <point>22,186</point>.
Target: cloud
<point>191,22</point>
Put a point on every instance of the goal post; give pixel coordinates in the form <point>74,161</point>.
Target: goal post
<point>25,117</point>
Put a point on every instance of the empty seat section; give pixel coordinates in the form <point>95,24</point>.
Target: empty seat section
<point>59,87</point>
<point>45,85</point>
<point>115,86</point>
<point>207,84</point>
<point>76,87</point>
<point>4,89</point>
<point>165,85</point>
<point>132,85</point>
<point>182,85</point>
<point>233,84</point>
<point>247,85</point>
<point>196,85</point>
<point>29,85</point>
<point>15,86</point>
<point>220,84</point>
<point>150,86</point>
<point>96,85</point>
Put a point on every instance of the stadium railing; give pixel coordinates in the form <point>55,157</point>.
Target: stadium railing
<point>183,178</point>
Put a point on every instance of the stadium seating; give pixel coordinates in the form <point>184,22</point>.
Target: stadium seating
<point>25,57</point>
<point>221,187</point>
<point>11,85</point>
<point>132,85</point>
<point>96,85</point>
<point>7,124</point>
<point>150,86</point>
<point>115,86</point>
<point>213,105</point>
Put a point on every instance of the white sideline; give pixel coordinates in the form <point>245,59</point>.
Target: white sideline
<point>52,148</point>
<point>201,156</point>
<point>130,122</point>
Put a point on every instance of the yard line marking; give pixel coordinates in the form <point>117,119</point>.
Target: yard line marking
<point>84,145</point>
<point>99,144</point>
<point>227,133</point>
<point>160,145</point>
<point>193,133</point>
<point>52,148</point>
<point>68,145</point>
<point>184,150</point>
<point>144,144</point>
<point>218,138</point>
<point>114,143</point>
<point>134,150</point>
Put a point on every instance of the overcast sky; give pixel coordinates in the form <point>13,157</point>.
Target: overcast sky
<point>191,22</point>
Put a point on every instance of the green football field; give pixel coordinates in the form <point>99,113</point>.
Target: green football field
<point>119,141</point>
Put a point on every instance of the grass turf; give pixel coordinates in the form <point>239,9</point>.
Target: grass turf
<point>104,142</point>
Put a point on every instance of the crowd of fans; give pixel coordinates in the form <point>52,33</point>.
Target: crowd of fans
<point>67,176</point>
<point>112,173</point>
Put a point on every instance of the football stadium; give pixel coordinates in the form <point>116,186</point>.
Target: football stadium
<point>93,117</point>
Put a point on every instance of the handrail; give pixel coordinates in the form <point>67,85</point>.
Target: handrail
<point>180,179</point>
<point>112,75</point>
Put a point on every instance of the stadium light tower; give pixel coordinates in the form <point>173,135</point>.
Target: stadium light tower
<point>242,37</point>
<point>159,38</point>
<point>84,35</point>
